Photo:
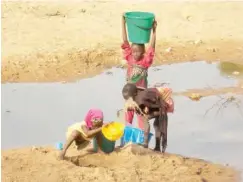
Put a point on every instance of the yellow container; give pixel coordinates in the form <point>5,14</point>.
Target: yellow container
<point>113,131</point>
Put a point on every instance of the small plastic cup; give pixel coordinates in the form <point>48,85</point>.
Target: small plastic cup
<point>59,146</point>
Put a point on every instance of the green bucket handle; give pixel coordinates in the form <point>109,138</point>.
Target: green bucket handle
<point>144,28</point>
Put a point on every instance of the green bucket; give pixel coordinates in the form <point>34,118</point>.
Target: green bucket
<point>107,146</point>
<point>139,25</point>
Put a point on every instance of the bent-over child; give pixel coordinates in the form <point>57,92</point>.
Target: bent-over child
<point>82,133</point>
<point>151,103</point>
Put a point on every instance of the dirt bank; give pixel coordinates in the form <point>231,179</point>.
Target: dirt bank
<point>40,164</point>
<point>66,41</point>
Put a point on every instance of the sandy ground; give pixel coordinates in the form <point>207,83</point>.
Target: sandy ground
<point>45,42</point>
<point>49,41</point>
<point>129,164</point>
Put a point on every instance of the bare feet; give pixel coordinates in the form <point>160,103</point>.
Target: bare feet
<point>145,145</point>
<point>157,149</point>
<point>163,149</point>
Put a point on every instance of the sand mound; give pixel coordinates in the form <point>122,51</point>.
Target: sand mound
<point>132,163</point>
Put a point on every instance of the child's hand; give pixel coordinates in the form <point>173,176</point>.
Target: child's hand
<point>100,151</point>
<point>146,110</point>
<point>123,17</point>
<point>105,124</point>
<point>61,155</point>
<point>154,25</point>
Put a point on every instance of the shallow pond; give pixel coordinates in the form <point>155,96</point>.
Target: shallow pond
<point>38,114</point>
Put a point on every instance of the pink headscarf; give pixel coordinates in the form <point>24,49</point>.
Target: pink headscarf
<point>93,114</point>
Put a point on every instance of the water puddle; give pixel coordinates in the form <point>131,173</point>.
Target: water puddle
<point>216,136</point>
<point>38,114</point>
<point>191,75</point>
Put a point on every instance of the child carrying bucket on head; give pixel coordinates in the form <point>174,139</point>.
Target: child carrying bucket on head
<point>82,133</point>
<point>138,63</point>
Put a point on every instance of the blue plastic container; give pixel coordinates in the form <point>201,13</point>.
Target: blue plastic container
<point>134,135</point>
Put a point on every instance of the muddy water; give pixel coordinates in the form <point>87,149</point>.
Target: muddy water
<point>233,69</point>
<point>38,114</point>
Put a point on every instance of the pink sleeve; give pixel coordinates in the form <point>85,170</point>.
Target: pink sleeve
<point>127,51</point>
<point>149,57</point>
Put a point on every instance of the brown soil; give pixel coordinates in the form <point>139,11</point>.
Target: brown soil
<point>130,164</point>
<point>52,41</point>
<point>49,41</point>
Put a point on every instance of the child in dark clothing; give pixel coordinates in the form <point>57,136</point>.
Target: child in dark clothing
<point>150,103</point>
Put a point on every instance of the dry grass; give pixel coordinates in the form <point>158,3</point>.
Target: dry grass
<point>225,102</point>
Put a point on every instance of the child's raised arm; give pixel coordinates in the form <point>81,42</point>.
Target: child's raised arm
<point>153,38</point>
<point>125,45</point>
<point>151,50</point>
<point>124,31</point>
